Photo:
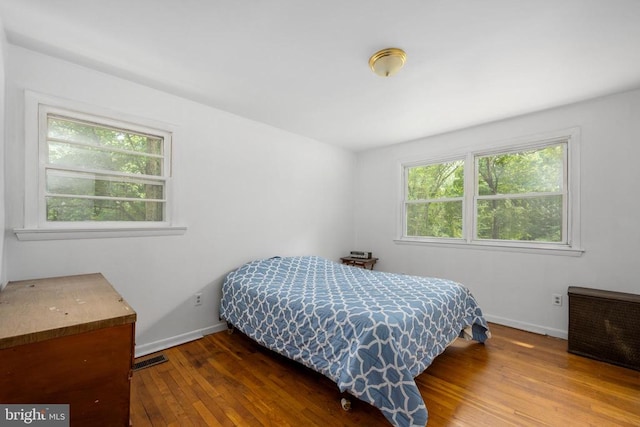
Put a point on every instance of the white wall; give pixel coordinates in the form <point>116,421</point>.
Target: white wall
<point>515,288</point>
<point>245,190</point>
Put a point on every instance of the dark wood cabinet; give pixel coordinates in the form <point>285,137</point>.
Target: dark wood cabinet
<point>604,325</point>
<point>68,340</point>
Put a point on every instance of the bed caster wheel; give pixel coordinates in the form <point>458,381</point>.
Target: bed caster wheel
<point>345,403</point>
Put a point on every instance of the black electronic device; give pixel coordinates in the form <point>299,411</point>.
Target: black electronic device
<point>361,255</point>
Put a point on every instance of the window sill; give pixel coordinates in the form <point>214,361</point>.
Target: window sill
<point>31,234</point>
<point>492,246</point>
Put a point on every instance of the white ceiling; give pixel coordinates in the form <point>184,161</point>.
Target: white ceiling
<point>303,65</point>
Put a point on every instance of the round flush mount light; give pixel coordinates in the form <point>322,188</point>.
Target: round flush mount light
<point>387,62</point>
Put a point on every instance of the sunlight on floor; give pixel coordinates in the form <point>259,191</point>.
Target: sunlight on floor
<point>522,344</point>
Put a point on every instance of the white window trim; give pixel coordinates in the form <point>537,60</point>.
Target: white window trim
<point>35,225</point>
<point>403,198</point>
<point>571,248</point>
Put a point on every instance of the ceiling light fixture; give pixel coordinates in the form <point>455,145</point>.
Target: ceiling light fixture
<point>387,62</point>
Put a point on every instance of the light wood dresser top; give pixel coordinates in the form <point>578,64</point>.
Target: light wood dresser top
<point>41,309</point>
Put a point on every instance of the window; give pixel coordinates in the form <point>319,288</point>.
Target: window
<point>523,194</point>
<point>87,171</point>
<point>434,199</point>
<point>519,195</point>
<point>94,172</point>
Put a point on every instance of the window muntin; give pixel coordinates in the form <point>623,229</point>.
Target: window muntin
<point>520,196</point>
<point>434,200</point>
<point>101,172</point>
<point>534,203</point>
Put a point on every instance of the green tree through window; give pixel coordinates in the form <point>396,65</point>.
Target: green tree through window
<point>100,173</point>
<point>517,195</point>
<point>520,195</point>
<point>434,200</point>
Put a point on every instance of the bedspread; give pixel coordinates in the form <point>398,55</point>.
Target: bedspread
<point>370,332</point>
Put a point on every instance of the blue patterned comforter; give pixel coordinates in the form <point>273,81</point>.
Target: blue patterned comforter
<point>370,332</point>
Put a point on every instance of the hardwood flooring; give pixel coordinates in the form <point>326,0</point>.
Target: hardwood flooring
<point>516,379</point>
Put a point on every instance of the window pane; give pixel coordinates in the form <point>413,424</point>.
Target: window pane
<point>90,133</point>
<point>63,154</point>
<point>89,185</point>
<point>525,219</point>
<point>70,209</point>
<point>441,219</point>
<point>436,181</point>
<point>533,171</point>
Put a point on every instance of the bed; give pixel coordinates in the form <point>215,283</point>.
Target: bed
<point>370,332</point>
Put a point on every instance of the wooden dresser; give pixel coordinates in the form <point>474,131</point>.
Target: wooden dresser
<point>68,340</point>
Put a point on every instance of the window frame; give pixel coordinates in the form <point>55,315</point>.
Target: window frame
<point>570,245</point>
<point>406,202</point>
<point>36,226</point>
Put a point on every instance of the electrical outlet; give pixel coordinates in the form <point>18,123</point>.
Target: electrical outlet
<point>197,300</point>
<point>556,299</point>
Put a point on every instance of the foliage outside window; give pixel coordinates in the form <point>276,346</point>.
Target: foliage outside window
<point>102,173</point>
<point>507,196</point>
<point>520,195</point>
<point>434,199</point>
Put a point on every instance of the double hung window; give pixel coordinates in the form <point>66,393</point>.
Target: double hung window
<point>520,195</point>
<point>101,172</point>
<point>93,173</point>
<point>434,199</point>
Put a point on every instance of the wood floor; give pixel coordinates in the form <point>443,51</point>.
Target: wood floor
<point>515,379</point>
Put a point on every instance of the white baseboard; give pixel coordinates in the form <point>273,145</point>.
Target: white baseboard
<point>152,347</point>
<point>529,327</point>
